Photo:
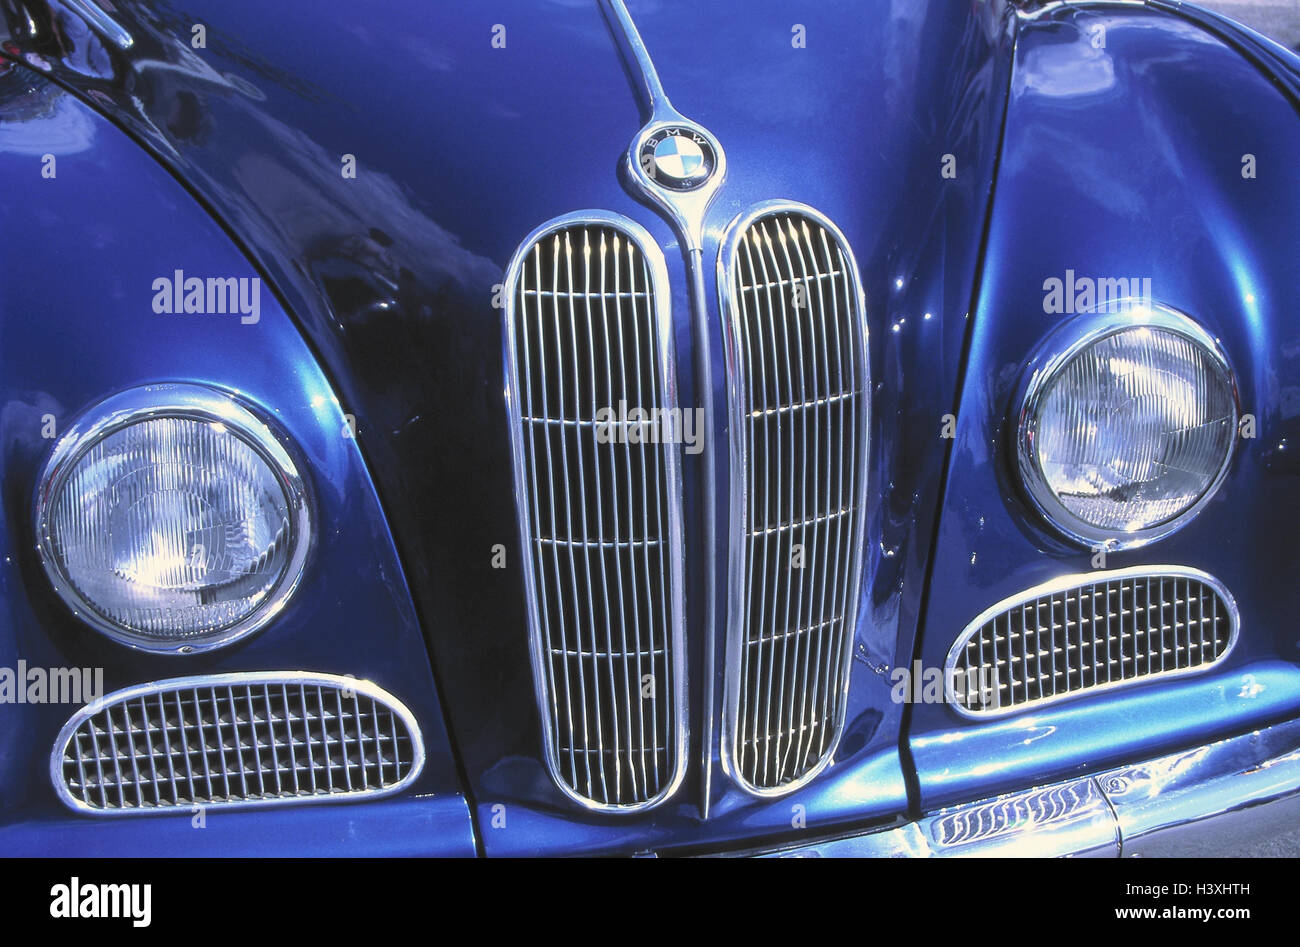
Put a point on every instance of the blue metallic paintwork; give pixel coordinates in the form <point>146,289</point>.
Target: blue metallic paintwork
<point>78,256</point>
<point>462,149</point>
<point>1281,65</point>
<point>1136,149</point>
<point>404,827</point>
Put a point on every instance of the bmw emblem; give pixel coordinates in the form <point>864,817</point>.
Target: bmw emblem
<point>678,158</point>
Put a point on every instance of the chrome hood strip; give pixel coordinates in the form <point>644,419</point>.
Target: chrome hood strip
<point>684,203</point>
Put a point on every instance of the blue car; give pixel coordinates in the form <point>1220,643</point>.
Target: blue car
<point>590,427</point>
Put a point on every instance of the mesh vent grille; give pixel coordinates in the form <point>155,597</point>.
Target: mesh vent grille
<point>236,740</point>
<point>1052,644</point>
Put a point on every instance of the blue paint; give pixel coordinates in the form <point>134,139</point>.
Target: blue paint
<point>379,305</point>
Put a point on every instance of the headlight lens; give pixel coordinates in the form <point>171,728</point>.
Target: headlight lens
<point>172,519</point>
<point>1127,431</point>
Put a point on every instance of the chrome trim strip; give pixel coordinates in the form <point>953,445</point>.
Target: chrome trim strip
<point>1201,800</point>
<point>665,360</point>
<point>101,22</point>
<point>1078,5</point>
<point>903,841</point>
<point>1056,351</point>
<point>709,502</point>
<point>1076,581</point>
<point>334,682</point>
<point>1067,817</point>
<point>176,400</point>
<point>737,403</point>
<point>654,98</point>
<point>1194,802</point>
<point>1063,819</point>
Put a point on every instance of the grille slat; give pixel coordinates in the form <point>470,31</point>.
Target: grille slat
<point>588,340</point>
<point>796,352</point>
<point>1090,633</point>
<point>144,741</point>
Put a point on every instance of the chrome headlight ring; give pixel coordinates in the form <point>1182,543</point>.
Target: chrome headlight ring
<point>1059,351</point>
<point>255,443</point>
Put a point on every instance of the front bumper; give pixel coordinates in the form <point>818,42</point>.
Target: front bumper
<point>1204,802</point>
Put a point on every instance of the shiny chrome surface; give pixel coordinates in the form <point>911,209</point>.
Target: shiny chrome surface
<point>234,740</point>
<point>628,37</point>
<point>588,327</point>
<point>1068,817</point>
<point>799,393</point>
<point>1061,347</point>
<point>1085,633</point>
<point>1204,801</point>
<point>685,208</point>
<point>1063,819</point>
<point>101,22</point>
<point>1210,800</point>
<point>175,401</point>
<point>1047,9</point>
<point>905,841</point>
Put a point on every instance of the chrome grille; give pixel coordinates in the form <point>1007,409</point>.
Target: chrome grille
<point>588,331</point>
<point>796,342</point>
<point>1086,633</point>
<point>235,740</point>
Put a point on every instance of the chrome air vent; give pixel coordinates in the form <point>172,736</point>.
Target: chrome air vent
<point>587,332</point>
<point>236,740</point>
<point>796,344</point>
<point>1085,633</point>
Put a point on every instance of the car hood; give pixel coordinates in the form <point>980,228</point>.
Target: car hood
<point>469,126</point>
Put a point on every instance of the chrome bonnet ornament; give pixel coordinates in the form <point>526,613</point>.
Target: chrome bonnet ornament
<point>675,162</point>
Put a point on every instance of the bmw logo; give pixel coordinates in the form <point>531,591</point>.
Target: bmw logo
<point>678,158</point>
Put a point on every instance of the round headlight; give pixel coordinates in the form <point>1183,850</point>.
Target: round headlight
<point>172,520</point>
<point>1127,427</point>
